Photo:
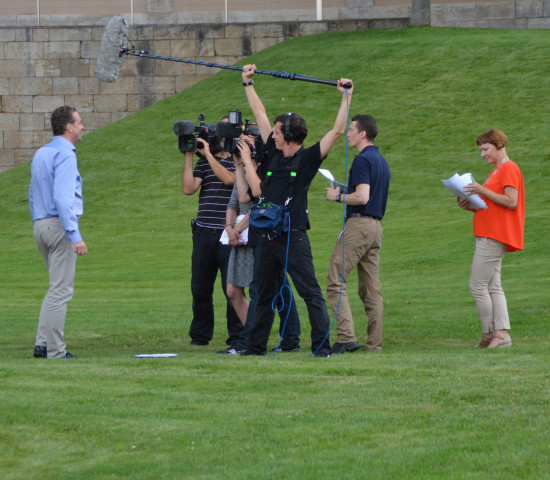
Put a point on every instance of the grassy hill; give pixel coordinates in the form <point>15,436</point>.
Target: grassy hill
<point>428,406</point>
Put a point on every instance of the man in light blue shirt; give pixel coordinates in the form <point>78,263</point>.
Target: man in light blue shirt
<point>55,200</point>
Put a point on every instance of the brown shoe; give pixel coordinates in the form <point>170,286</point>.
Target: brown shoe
<point>499,341</point>
<point>485,340</point>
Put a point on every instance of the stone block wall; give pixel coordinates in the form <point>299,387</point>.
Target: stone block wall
<point>42,68</point>
<point>473,14</point>
<point>491,14</point>
<point>53,63</point>
<point>180,12</point>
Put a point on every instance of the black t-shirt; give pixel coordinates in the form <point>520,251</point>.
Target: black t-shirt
<point>276,189</point>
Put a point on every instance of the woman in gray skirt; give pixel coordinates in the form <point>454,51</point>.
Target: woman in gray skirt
<point>240,269</point>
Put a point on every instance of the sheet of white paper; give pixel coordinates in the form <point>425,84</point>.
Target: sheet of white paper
<point>156,355</point>
<point>330,177</point>
<point>326,173</point>
<point>456,183</point>
<point>224,239</point>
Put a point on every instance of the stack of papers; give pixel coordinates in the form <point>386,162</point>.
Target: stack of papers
<point>456,183</point>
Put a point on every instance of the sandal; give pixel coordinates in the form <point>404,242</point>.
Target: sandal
<point>486,339</point>
<point>500,342</point>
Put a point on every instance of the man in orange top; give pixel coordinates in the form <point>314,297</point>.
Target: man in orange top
<point>497,229</point>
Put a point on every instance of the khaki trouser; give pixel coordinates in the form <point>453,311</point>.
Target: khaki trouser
<point>362,240</point>
<point>485,285</point>
<point>60,260</point>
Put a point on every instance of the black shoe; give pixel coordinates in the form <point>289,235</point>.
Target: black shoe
<point>340,347</point>
<point>40,351</point>
<point>230,351</point>
<point>196,343</point>
<point>248,353</point>
<point>297,348</point>
<point>68,355</point>
<point>323,354</point>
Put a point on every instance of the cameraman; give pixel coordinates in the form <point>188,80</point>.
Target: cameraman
<point>214,175</point>
<point>282,153</point>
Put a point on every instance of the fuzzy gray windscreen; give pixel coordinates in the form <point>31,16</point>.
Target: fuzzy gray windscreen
<point>109,59</point>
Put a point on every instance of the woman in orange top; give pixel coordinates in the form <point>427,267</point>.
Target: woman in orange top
<point>497,229</point>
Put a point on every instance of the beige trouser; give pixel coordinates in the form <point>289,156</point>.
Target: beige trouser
<point>60,261</point>
<point>485,285</point>
<point>362,242</point>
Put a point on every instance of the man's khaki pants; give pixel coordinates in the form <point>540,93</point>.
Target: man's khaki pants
<point>60,261</point>
<point>362,239</point>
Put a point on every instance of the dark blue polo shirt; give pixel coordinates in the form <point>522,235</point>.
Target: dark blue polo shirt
<point>370,167</point>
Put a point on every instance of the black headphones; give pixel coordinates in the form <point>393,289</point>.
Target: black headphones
<point>288,135</point>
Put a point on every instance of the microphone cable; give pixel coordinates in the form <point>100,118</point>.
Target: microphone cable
<point>343,234</point>
<point>284,286</point>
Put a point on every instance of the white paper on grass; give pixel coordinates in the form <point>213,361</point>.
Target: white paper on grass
<point>456,184</point>
<point>156,355</point>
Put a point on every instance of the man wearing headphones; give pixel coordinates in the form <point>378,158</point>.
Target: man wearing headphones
<point>287,158</point>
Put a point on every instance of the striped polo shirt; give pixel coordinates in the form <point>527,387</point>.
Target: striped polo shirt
<point>214,195</point>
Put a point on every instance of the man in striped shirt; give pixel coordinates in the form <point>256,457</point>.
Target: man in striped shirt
<point>214,175</point>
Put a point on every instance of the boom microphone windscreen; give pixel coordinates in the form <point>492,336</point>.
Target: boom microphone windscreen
<point>109,59</point>
<point>184,127</point>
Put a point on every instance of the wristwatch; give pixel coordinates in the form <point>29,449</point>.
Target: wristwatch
<point>338,197</point>
<point>248,84</point>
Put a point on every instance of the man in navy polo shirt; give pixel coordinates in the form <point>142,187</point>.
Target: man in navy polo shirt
<point>365,199</point>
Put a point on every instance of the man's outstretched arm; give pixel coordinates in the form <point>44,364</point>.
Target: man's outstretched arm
<point>330,139</point>
<point>255,103</point>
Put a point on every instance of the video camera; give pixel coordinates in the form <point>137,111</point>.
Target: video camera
<point>188,133</point>
<point>234,128</point>
<point>230,131</point>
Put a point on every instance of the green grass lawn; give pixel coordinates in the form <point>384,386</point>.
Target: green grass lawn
<point>428,406</point>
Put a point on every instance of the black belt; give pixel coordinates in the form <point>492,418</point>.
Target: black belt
<point>210,229</point>
<point>271,236</point>
<point>362,215</point>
